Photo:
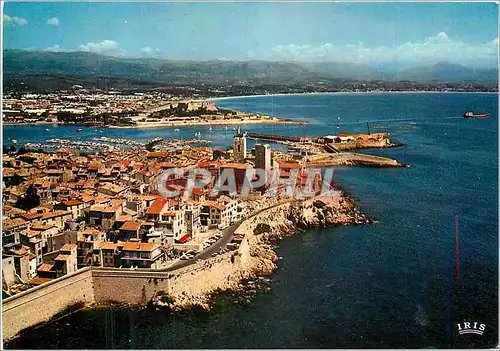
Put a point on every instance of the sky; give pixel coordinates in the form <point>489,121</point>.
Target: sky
<point>364,33</point>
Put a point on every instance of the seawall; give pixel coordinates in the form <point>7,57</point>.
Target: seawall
<point>39,304</point>
<point>97,285</point>
<point>186,287</point>
<point>351,159</point>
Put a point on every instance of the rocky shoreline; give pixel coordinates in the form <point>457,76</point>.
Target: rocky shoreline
<point>243,272</point>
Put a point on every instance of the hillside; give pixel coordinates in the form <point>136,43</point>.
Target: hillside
<point>42,65</point>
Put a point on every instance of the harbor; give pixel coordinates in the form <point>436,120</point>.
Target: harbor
<point>331,150</point>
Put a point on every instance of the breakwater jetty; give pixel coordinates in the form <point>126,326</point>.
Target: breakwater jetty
<point>352,159</point>
<point>329,151</point>
<point>277,137</point>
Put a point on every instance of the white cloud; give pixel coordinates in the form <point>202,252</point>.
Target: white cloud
<point>432,49</point>
<point>54,21</point>
<point>55,48</point>
<point>148,51</point>
<point>101,46</point>
<point>19,21</point>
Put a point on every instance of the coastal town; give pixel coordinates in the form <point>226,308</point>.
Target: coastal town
<point>256,175</point>
<point>210,216</point>
<point>75,204</point>
<point>80,106</point>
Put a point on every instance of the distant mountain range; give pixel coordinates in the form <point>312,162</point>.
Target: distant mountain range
<point>21,63</point>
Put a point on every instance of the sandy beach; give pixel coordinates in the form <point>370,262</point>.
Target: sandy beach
<point>344,93</point>
<point>210,123</point>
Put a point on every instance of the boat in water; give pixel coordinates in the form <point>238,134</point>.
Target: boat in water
<point>469,114</point>
<point>79,129</point>
<point>14,141</point>
<point>177,130</point>
<point>47,129</point>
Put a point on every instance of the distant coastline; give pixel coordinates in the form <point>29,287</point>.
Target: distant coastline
<point>146,125</point>
<point>351,93</point>
<point>244,120</point>
<point>209,123</point>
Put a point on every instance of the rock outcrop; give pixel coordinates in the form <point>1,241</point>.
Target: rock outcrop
<point>256,257</point>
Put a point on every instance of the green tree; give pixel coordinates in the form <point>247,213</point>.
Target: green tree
<point>29,199</point>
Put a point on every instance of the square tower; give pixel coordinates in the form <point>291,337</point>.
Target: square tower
<point>240,147</point>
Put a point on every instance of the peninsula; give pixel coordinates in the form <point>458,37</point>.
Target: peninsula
<point>166,223</point>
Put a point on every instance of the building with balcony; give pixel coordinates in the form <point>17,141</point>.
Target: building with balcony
<point>140,255</point>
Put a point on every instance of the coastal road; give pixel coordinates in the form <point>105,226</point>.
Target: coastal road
<point>207,253</point>
<point>222,242</point>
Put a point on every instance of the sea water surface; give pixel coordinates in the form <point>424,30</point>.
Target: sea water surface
<point>392,284</point>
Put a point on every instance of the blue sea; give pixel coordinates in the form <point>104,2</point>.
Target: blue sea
<point>391,284</point>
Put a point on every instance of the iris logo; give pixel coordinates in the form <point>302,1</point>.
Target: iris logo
<point>471,328</point>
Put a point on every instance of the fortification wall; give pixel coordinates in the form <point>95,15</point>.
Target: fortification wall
<point>138,287</point>
<point>39,304</point>
<point>133,287</point>
<point>188,286</point>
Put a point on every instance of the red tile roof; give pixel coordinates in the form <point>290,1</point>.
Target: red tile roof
<point>131,246</point>
<point>92,231</point>
<point>132,226</point>
<point>200,191</point>
<point>61,258</point>
<point>41,227</point>
<point>45,267</point>
<point>68,247</point>
<point>290,165</point>
<point>57,213</point>
<point>106,245</point>
<point>215,205</point>
<point>30,216</point>
<point>208,164</point>
<point>73,203</point>
<point>156,206</point>
<point>165,165</point>
<point>158,154</point>
<point>235,165</point>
